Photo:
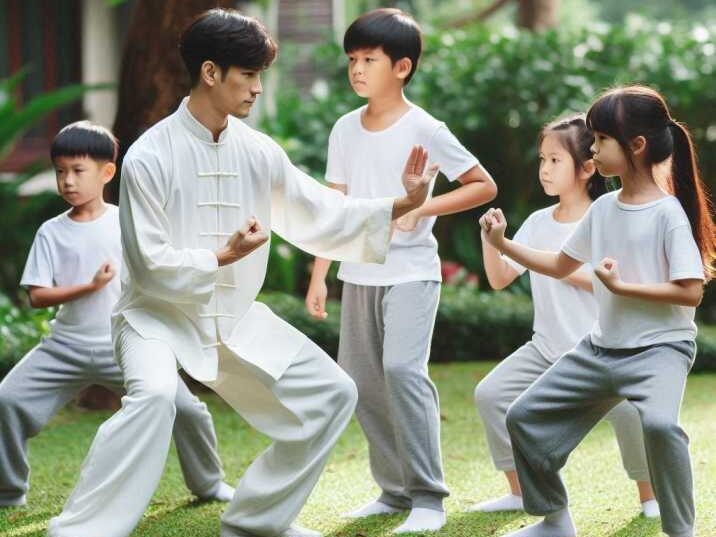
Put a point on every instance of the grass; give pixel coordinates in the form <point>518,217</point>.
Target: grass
<point>603,500</point>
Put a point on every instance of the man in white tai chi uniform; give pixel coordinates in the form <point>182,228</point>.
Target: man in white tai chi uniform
<point>188,294</point>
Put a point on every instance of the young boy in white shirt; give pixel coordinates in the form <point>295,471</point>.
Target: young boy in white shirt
<point>388,311</point>
<point>74,264</point>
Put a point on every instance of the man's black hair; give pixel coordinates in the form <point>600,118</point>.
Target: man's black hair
<point>393,30</point>
<point>85,139</point>
<point>227,38</point>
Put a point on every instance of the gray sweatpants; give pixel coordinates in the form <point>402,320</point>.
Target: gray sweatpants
<point>512,376</point>
<point>384,347</point>
<point>54,372</point>
<point>554,414</point>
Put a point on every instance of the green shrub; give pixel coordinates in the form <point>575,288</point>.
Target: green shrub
<point>20,330</point>
<point>496,89</point>
<point>470,326</point>
<point>292,309</point>
<point>480,326</point>
<point>706,349</point>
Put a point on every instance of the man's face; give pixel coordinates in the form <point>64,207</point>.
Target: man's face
<point>236,92</point>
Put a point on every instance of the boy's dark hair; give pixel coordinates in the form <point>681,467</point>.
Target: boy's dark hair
<point>577,139</point>
<point>393,30</point>
<point>227,38</point>
<point>85,139</point>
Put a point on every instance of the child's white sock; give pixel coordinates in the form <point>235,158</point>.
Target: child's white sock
<point>222,492</point>
<point>422,519</point>
<point>509,502</point>
<point>373,508</point>
<point>557,524</point>
<point>650,508</point>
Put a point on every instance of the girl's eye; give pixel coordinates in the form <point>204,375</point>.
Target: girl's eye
<point>554,160</point>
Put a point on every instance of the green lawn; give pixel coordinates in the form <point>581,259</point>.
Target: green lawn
<point>603,501</point>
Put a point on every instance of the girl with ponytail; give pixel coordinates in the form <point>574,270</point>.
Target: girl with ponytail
<point>564,310</point>
<point>653,249</point>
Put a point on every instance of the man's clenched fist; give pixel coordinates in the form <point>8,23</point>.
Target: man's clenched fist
<point>242,243</point>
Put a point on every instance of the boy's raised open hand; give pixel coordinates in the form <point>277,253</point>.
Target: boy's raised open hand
<point>493,225</point>
<point>242,243</point>
<point>417,176</point>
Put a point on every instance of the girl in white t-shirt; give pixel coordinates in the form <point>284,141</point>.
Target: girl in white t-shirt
<point>653,246</point>
<point>566,170</point>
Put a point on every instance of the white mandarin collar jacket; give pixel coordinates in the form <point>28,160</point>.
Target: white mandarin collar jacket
<point>181,196</point>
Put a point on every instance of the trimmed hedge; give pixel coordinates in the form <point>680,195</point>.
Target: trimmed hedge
<point>470,326</point>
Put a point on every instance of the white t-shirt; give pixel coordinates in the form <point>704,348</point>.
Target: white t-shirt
<point>371,164</point>
<point>563,313</point>
<point>652,243</point>
<point>65,253</point>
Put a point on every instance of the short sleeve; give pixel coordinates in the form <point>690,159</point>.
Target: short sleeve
<point>579,244</point>
<point>683,254</point>
<point>39,267</point>
<point>447,151</point>
<point>335,164</point>
<point>521,237</point>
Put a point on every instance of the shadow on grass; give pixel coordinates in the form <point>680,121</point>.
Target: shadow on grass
<point>477,523</point>
<point>25,521</point>
<point>458,523</point>
<point>639,526</point>
<point>368,526</point>
<point>188,517</point>
<point>191,516</point>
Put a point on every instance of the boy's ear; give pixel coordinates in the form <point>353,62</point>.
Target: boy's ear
<point>108,171</point>
<point>638,145</point>
<point>403,67</point>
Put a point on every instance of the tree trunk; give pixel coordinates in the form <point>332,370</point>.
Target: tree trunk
<point>537,15</point>
<point>152,78</point>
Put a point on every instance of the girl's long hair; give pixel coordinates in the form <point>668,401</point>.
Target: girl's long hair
<point>627,112</point>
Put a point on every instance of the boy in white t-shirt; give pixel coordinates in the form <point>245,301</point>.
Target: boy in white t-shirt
<point>73,264</point>
<point>388,311</point>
